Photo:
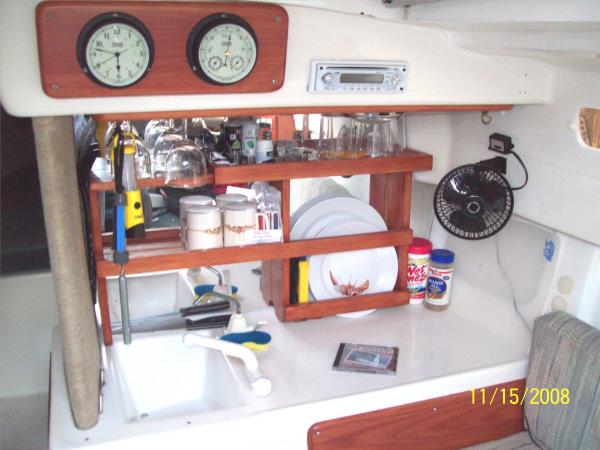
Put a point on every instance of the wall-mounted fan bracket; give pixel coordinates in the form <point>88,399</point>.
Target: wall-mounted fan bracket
<point>497,163</point>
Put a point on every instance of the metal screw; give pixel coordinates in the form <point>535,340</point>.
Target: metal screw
<point>274,81</point>
<point>55,87</point>
<point>277,18</point>
<point>50,15</point>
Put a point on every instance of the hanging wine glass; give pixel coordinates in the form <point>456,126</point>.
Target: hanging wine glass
<point>186,164</point>
<point>162,146</point>
<point>153,130</point>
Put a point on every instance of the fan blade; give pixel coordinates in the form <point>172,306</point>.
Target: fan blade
<point>458,187</point>
<point>467,224</point>
<point>491,190</point>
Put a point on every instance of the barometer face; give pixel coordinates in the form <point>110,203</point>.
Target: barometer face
<point>222,49</point>
<point>115,50</point>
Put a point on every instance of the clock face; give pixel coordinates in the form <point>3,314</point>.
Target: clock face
<point>115,52</point>
<point>222,49</point>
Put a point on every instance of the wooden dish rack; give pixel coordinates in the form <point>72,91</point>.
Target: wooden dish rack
<point>390,194</point>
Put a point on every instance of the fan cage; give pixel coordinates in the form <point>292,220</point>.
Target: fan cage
<point>474,186</point>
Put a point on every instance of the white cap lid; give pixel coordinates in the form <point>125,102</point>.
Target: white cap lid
<point>229,198</point>
<point>196,200</point>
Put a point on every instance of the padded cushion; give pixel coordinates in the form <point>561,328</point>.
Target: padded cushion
<point>565,354</point>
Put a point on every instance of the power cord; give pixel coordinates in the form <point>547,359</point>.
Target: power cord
<point>510,285</point>
<point>524,168</point>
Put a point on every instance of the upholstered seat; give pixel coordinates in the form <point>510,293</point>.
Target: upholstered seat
<point>565,354</point>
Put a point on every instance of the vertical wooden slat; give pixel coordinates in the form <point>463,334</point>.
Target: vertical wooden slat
<point>377,192</point>
<point>104,310</point>
<point>284,284</point>
<point>95,224</point>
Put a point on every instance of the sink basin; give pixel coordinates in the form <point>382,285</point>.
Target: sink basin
<point>160,377</point>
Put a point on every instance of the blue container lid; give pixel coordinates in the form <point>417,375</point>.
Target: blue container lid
<point>442,256</point>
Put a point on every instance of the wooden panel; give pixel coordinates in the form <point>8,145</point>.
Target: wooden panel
<point>152,235</point>
<point>104,310</point>
<point>142,260</point>
<point>103,186</point>
<point>449,422</point>
<point>95,225</point>
<point>323,308</point>
<point>277,282</point>
<point>406,161</point>
<point>350,109</point>
<point>60,22</point>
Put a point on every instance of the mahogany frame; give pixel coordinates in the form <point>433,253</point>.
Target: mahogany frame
<point>390,193</point>
<point>59,24</point>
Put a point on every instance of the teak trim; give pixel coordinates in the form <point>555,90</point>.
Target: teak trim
<point>448,422</point>
<point>231,255</point>
<point>276,110</point>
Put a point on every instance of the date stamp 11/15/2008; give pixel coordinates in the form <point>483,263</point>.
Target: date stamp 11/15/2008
<point>517,396</point>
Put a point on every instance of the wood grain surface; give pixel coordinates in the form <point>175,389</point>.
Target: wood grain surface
<point>329,307</point>
<point>321,109</point>
<point>59,24</point>
<point>449,422</point>
<point>150,260</point>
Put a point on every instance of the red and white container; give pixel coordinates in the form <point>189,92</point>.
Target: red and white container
<point>418,262</point>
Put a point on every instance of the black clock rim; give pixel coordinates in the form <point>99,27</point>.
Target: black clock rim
<point>98,22</point>
<point>201,29</point>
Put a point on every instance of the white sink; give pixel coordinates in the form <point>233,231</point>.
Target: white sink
<point>160,377</point>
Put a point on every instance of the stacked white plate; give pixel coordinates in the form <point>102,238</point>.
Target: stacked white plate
<point>345,274</point>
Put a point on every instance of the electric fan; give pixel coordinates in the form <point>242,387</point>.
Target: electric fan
<point>474,201</point>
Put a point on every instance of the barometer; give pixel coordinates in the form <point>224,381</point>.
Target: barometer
<point>222,49</point>
<point>115,50</point>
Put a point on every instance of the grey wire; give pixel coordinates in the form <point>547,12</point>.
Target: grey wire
<point>510,285</point>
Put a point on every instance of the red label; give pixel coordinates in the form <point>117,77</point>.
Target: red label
<point>416,273</point>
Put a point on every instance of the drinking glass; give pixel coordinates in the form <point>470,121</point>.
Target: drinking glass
<point>153,130</point>
<point>161,149</point>
<point>185,165</point>
<point>373,134</point>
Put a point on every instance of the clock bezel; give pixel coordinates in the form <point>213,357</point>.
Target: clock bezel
<point>105,19</point>
<point>201,29</point>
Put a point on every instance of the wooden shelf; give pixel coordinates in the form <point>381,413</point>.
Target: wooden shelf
<point>99,185</point>
<point>323,308</point>
<point>160,250</point>
<point>172,256</point>
<point>408,160</point>
<point>319,109</point>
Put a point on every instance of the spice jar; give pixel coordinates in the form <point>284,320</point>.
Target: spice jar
<point>418,264</point>
<point>439,279</point>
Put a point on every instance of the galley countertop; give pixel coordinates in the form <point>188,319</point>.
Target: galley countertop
<point>471,345</point>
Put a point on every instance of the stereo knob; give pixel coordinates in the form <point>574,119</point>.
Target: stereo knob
<point>327,78</point>
<point>395,79</point>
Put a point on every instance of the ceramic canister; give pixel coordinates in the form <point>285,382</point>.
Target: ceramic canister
<point>187,202</point>
<point>239,218</point>
<point>224,199</point>
<point>203,228</point>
